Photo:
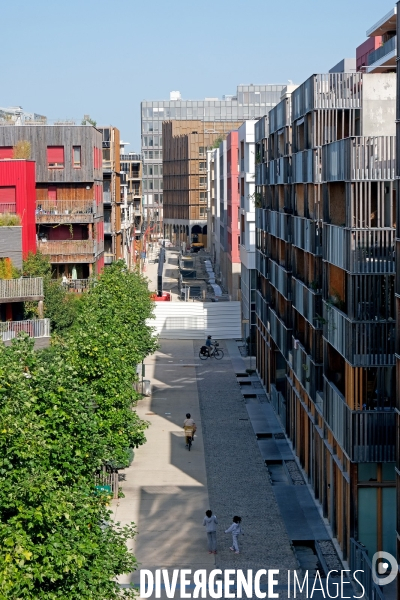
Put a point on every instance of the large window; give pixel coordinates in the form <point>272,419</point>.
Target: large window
<point>55,157</point>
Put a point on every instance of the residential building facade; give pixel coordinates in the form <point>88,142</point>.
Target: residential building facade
<point>378,53</point>
<point>249,102</point>
<point>248,276</point>
<point>185,177</point>
<point>325,293</point>
<point>397,300</point>
<point>131,204</point>
<point>111,193</point>
<point>69,201</point>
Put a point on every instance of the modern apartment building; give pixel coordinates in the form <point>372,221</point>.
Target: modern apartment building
<point>69,202</point>
<point>325,293</point>
<point>248,278</point>
<point>111,193</point>
<point>185,177</point>
<point>378,53</point>
<point>131,205</point>
<point>249,102</point>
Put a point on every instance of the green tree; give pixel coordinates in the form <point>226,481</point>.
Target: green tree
<point>109,338</point>
<point>56,537</point>
<point>60,306</point>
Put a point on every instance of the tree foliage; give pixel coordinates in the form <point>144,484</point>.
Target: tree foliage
<point>64,412</point>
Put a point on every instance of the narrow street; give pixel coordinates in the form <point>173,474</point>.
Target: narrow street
<point>167,489</point>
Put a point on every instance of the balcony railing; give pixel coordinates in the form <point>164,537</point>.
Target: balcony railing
<point>359,158</point>
<point>107,197</point>
<point>21,290</point>
<point>262,264</point>
<point>360,250</point>
<point>279,403</point>
<point>278,171</point>
<point>58,211</point>
<point>307,371</point>
<point>306,167</point>
<point>278,224</point>
<point>36,328</point>
<point>306,235</point>
<point>386,48</point>
<point>261,308</point>
<point>329,90</point>
<point>279,278</point>
<point>307,302</point>
<point>362,344</point>
<point>365,435</point>
<point>8,208</point>
<point>281,334</point>
<point>71,250</point>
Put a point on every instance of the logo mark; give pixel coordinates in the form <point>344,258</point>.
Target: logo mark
<point>384,568</point>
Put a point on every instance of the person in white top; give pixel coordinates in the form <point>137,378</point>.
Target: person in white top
<point>235,529</point>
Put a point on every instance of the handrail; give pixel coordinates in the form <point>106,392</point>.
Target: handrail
<point>36,328</point>
<point>21,288</point>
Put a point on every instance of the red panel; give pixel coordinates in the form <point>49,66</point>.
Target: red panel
<point>55,155</point>
<point>20,174</point>
<point>52,192</point>
<point>6,152</point>
<point>100,264</point>
<point>7,195</point>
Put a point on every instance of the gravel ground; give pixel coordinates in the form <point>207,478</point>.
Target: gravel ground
<point>237,477</point>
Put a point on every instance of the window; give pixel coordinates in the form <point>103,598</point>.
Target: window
<point>202,211</point>
<point>76,157</point>
<point>203,181</point>
<point>6,152</point>
<point>55,157</point>
<point>203,196</point>
<point>203,167</point>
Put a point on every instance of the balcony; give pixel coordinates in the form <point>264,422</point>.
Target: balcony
<point>307,302</point>
<point>359,159</point>
<point>21,290</point>
<point>106,197</point>
<point>279,403</point>
<point>278,225</point>
<point>306,167</point>
<point>365,436</point>
<point>360,250</point>
<point>385,56</point>
<point>278,171</point>
<point>362,344</point>
<point>306,235</point>
<point>281,334</point>
<point>108,258</point>
<point>71,251</point>
<point>261,308</point>
<point>307,371</point>
<point>279,278</point>
<point>262,264</point>
<point>65,211</point>
<point>327,91</point>
<point>35,328</point>
<point>107,227</point>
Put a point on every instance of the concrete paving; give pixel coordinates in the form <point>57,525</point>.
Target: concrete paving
<point>167,489</point>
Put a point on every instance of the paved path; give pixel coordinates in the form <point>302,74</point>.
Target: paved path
<point>167,489</point>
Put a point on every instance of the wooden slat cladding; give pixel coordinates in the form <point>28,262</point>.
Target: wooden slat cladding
<point>40,137</point>
<point>66,192</point>
<point>184,177</point>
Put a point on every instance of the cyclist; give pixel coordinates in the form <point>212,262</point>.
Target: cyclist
<point>209,344</point>
<point>189,422</point>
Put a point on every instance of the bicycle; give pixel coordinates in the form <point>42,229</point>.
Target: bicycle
<point>213,351</point>
<point>189,433</point>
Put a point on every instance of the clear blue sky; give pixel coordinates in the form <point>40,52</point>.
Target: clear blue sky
<point>98,57</point>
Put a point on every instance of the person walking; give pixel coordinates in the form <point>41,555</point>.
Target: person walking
<point>210,523</point>
<point>235,529</point>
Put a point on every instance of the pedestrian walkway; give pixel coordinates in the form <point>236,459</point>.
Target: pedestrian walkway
<point>167,489</point>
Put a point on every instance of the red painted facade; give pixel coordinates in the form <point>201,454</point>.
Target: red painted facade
<point>21,175</point>
<point>365,49</point>
<point>233,197</point>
